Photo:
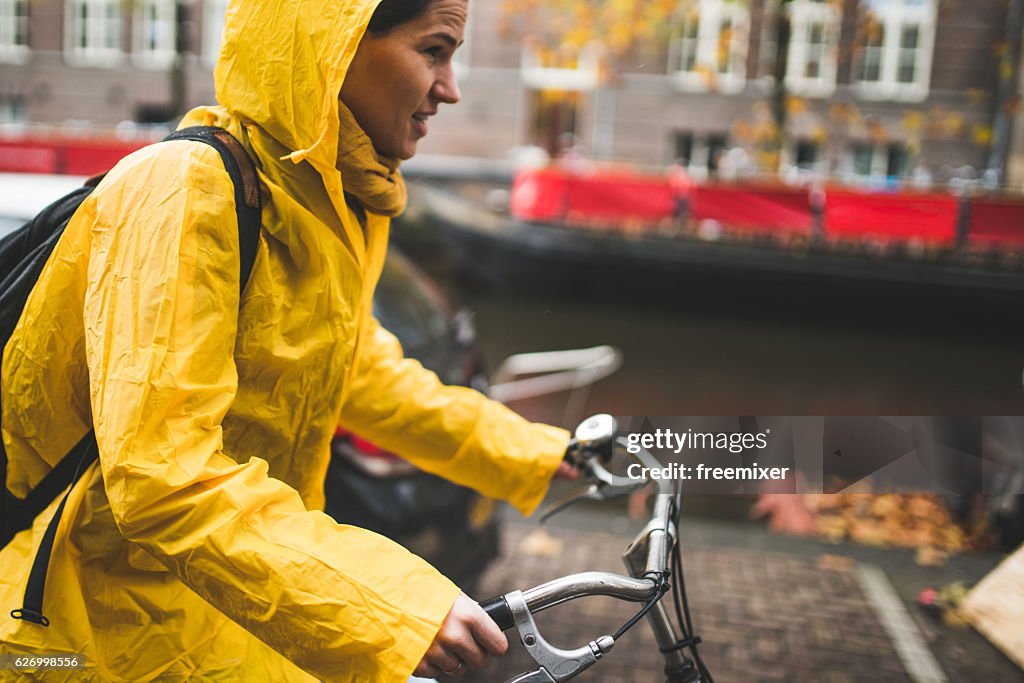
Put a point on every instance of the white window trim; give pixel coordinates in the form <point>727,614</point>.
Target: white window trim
<point>585,77</point>
<point>213,29</point>
<point>711,14</point>
<point>162,57</point>
<point>9,51</point>
<point>91,55</point>
<point>461,61</point>
<point>804,13</point>
<point>895,15</point>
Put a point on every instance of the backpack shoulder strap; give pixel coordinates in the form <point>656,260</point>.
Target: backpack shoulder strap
<point>68,471</point>
<point>248,206</point>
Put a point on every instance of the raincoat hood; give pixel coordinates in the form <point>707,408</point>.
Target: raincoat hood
<point>281,68</point>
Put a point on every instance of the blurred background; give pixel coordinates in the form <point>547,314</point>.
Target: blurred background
<point>768,207</point>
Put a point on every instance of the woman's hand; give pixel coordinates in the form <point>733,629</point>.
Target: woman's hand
<point>566,470</point>
<point>467,638</point>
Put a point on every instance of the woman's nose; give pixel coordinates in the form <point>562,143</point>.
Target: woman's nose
<point>446,87</point>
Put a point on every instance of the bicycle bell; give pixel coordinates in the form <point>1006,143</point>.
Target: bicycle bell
<point>597,433</point>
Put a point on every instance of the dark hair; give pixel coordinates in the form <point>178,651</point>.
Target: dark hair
<point>393,13</point>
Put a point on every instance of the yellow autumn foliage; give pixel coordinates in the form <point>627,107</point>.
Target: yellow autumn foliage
<point>920,521</point>
<point>618,26</point>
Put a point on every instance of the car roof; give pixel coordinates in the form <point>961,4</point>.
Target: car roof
<point>23,195</point>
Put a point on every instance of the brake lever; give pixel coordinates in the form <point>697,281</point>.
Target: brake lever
<point>592,492</point>
<point>606,487</point>
<point>556,665</point>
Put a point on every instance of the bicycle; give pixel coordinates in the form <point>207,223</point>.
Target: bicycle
<point>648,559</point>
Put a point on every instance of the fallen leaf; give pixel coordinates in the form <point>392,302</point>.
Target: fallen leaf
<point>835,563</point>
<point>539,543</point>
<point>928,556</point>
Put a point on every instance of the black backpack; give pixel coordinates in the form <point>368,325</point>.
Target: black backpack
<point>23,254</point>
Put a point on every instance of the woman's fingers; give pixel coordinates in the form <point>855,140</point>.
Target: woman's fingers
<point>451,655</point>
<point>485,632</point>
<point>466,638</point>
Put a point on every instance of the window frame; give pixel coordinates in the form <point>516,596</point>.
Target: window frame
<point>896,16</point>
<point>803,14</point>
<point>710,16</point>
<point>12,51</point>
<point>162,57</point>
<point>92,54</point>
<point>584,77</point>
<point>213,29</point>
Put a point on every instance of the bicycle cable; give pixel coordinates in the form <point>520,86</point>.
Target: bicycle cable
<point>682,607</point>
<point>662,588</point>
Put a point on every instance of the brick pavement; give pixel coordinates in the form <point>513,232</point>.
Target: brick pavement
<point>763,616</point>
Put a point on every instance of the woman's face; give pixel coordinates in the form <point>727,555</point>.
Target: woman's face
<point>397,80</point>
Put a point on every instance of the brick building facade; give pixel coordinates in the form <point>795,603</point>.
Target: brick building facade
<point>877,88</point>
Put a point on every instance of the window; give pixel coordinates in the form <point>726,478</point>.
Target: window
<point>155,32</point>
<point>813,46</point>
<point>709,46</point>
<point>94,29</point>
<point>560,70</point>
<point>871,60</point>
<point>13,30</point>
<point>806,155</point>
<point>895,42</point>
<point>717,145</point>
<point>213,29</point>
<point>884,160</point>
<point>553,120</point>
<point>700,153</point>
<point>12,110</point>
<point>682,147</point>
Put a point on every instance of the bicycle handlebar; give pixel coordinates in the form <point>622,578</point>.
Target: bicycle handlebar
<point>570,587</point>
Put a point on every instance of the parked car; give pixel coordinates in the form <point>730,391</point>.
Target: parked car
<point>23,195</point>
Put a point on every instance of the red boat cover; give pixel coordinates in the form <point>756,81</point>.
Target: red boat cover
<point>930,218</point>
<point>554,195</point>
<point>997,222</point>
<point>605,197</point>
<point>755,207</point>
<point>72,157</point>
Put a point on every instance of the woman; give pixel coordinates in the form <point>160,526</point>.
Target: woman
<point>193,548</point>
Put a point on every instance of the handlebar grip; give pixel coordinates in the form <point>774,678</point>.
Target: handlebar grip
<point>498,610</point>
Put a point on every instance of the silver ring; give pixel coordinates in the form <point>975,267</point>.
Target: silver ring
<point>454,671</point>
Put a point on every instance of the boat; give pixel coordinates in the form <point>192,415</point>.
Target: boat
<point>582,229</point>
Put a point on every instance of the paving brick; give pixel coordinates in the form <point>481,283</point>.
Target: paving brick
<point>762,616</point>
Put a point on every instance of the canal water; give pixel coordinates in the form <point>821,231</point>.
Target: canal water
<point>721,346</point>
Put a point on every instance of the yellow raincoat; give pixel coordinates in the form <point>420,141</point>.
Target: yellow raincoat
<point>194,548</point>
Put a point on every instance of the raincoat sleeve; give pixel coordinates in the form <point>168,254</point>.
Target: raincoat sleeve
<point>160,313</point>
<point>454,432</point>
